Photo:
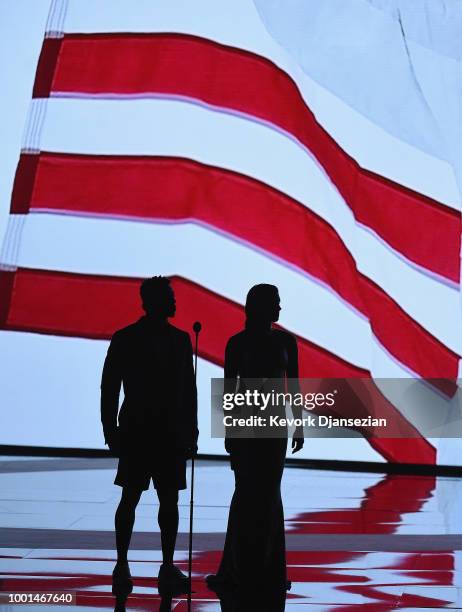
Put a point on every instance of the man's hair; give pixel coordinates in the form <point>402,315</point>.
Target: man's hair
<point>154,291</point>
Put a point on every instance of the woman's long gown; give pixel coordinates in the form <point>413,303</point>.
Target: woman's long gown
<point>254,550</point>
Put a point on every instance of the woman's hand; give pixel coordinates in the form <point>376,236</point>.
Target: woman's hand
<point>298,440</point>
<point>114,442</point>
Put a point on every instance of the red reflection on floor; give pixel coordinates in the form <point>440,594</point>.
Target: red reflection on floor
<point>341,579</point>
<point>373,579</point>
<point>381,511</point>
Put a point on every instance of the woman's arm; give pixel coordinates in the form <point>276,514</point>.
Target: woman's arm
<point>293,385</point>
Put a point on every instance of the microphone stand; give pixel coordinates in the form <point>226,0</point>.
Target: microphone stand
<point>196,328</point>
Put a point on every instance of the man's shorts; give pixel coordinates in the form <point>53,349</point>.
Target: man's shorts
<point>167,470</point>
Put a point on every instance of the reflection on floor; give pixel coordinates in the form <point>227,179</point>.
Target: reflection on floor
<point>379,542</point>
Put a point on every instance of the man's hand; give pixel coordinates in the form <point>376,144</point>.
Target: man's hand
<point>297,440</point>
<point>113,441</point>
<point>189,451</point>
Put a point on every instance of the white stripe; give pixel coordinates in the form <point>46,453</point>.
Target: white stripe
<point>136,249</point>
<point>34,124</point>
<point>369,144</point>
<point>167,127</point>
<point>65,374</point>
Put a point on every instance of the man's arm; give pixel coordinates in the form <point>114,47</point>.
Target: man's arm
<point>110,389</point>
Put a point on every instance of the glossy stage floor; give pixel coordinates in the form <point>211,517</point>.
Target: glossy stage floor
<point>353,539</point>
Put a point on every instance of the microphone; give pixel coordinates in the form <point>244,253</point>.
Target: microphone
<point>197,327</point>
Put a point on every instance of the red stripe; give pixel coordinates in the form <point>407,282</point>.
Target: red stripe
<point>6,292</point>
<point>46,67</point>
<point>24,181</point>
<point>179,189</point>
<point>77,305</point>
<point>425,231</point>
<point>74,305</point>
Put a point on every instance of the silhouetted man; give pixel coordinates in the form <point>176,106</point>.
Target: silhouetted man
<point>157,429</point>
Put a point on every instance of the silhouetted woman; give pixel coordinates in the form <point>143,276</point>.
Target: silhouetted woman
<point>254,552</point>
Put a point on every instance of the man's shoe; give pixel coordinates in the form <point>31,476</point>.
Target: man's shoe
<point>171,579</point>
<point>121,577</point>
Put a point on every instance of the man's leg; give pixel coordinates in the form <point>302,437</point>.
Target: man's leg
<point>168,522</point>
<point>125,519</point>
<point>171,578</point>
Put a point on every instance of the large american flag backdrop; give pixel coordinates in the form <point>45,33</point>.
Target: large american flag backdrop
<point>188,139</point>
